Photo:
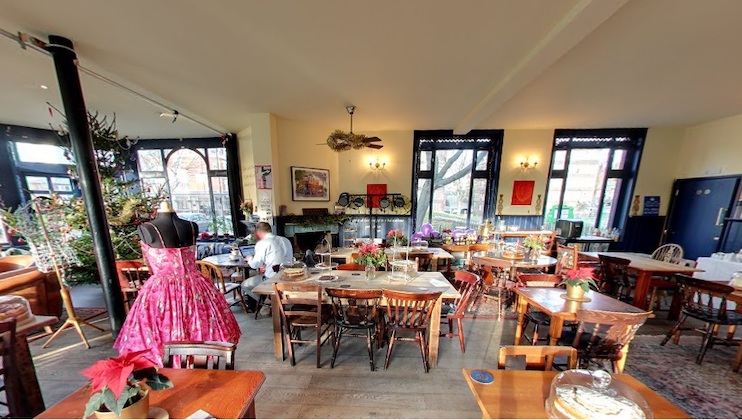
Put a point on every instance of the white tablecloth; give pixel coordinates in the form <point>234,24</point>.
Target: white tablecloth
<point>716,269</point>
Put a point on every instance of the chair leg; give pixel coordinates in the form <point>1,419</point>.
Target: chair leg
<point>652,298</point>
<point>261,300</point>
<point>238,292</point>
<point>336,345</point>
<point>389,350</point>
<point>370,345</point>
<point>424,350</point>
<point>450,326</point>
<point>462,341</point>
<point>674,331</point>
<point>708,339</point>
<point>290,345</point>
<point>535,334</point>
<point>319,346</point>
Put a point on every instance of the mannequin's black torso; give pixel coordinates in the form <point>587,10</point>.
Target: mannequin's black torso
<point>175,232</point>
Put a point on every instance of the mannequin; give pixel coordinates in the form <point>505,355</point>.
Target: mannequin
<point>176,232</point>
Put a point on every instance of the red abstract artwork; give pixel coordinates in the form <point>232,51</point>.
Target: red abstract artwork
<point>522,193</point>
<point>375,193</point>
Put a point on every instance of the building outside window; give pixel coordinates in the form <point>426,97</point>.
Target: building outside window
<point>455,177</point>
<point>592,176</point>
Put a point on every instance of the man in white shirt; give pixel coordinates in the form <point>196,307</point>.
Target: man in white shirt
<point>270,252</point>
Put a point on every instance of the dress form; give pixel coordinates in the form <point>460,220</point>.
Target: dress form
<point>167,230</point>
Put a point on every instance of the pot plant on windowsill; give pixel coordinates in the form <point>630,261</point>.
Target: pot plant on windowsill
<point>578,282</point>
<point>120,386</point>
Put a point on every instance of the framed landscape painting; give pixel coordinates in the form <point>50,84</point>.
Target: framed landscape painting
<point>310,184</point>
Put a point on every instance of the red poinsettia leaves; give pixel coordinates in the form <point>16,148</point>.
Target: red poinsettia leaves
<point>114,372</point>
<point>580,273</point>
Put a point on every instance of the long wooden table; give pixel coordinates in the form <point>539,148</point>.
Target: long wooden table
<point>522,393</point>
<point>645,268</point>
<point>356,281</point>
<point>225,394</point>
<point>439,254</point>
<point>549,301</point>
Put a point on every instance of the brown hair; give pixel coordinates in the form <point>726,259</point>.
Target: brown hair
<point>264,227</point>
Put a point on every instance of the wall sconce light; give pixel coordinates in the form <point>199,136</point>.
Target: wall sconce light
<point>376,165</point>
<point>526,165</point>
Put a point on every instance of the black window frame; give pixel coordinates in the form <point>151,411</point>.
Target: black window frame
<point>490,141</point>
<point>629,139</point>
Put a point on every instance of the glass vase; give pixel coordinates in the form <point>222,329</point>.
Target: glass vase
<point>370,272</point>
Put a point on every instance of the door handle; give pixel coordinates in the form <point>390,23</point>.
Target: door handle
<point>720,216</point>
<point>716,238</point>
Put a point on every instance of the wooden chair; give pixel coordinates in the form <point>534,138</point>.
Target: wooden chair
<point>409,312</point>
<point>351,267</point>
<point>10,381</point>
<point>135,277</point>
<point>534,316</point>
<point>198,355</point>
<point>213,273</point>
<point>536,357</point>
<point>603,335</point>
<point>355,310</point>
<point>495,274</point>
<point>301,308</point>
<point>567,258</point>
<point>671,253</point>
<point>472,249</point>
<point>615,280</point>
<point>698,298</point>
<point>466,283</point>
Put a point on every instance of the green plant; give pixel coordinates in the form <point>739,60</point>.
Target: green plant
<point>534,242</point>
<point>580,277</point>
<point>371,254</point>
<point>325,219</point>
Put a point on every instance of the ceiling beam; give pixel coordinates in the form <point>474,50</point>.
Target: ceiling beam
<point>573,27</point>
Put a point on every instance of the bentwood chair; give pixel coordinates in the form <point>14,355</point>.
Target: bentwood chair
<point>699,299</point>
<point>495,274</point>
<point>466,283</point>
<point>199,355</point>
<point>409,313</point>
<point>615,280</point>
<point>10,381</point>
<point>135,277</point>
<point>536,357</point>
<point>355,310</point>
<point>538,318</point>
<point>213,273</point>
<point>301,309</point>
<point>670,253</point>
<point>475,248</point>
<point>603,335</point>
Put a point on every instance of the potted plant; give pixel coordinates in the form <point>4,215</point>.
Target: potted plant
<point>533,245</point>
<point>372,256</point>
<point>396,236</point>
<point>578,282</point>
<point>120,386</point>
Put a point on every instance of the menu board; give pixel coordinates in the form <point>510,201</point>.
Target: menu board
<point>651,205</point>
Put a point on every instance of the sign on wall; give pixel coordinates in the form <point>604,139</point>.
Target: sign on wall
<point>263,177</point>
<point>651,205</point>
<point>522,193</point>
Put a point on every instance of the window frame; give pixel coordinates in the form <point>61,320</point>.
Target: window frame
<point>434,140</point>
<point>580,139</point>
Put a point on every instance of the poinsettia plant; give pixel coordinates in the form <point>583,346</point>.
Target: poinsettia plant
<point>580,277</point>
<point>396,235</point>
<point>371,254</point>
<point>118,382</point>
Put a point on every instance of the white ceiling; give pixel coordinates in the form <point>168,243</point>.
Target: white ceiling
<point>416,64</point>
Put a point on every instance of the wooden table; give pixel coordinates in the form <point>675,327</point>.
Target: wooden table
<point>522,393</point>
<point>645,268</point>
<point>542,261</point>
<point>549,301</point>
<point>225,394</point>
<point>223,261</point>
<point>439,254</point>
<point>357,281</point>
<point>32,403</point>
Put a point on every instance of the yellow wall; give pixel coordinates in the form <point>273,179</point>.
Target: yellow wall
<point>658,164</point>
<point>711,149</point>
<point>517,145</point>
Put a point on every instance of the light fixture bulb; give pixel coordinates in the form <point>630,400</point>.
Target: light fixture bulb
<point>45,87</point>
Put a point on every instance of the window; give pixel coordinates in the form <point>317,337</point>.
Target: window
<point>455,177</point>
<point>592,176</point>
<point>195,179</point>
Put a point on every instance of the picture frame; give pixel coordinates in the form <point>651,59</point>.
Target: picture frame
<point>522,193</point>
<point>310,184</point>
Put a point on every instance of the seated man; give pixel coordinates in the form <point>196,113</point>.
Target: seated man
<point>270,251</point>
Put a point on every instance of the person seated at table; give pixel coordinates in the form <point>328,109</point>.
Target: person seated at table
<point>270,251</point>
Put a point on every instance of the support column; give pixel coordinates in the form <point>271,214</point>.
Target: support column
<point>234,182</point>
<point>68,77</point>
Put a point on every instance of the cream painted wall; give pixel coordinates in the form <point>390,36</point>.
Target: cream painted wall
<point>658,164</point>
<point>257,144</point>
<point>711,149</point>
<point>517,145</point>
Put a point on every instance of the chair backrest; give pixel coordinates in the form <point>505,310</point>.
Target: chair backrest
<point>535,356</point>
<point>213,273</point>
<point>672,253</point>
<point>299,300</point>
<point>698,297</point>
<point>466,283</point>
<point>615,271</point>
<point>135,276</point>
<point>479,247</point>
<point>538,280</point>
<point>124,264</point>
<point>422,260</point>
<point>609,332</point>
<point>354,307</point>
<point>491,269</point>
<point>409,310</point>
<point>198,355</point>
<point>351,267</point>
<point>9,372</point>
<point>567,258</point>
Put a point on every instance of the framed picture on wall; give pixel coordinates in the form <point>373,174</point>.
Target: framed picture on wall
<point>310,184</point>
<point>522,193</point>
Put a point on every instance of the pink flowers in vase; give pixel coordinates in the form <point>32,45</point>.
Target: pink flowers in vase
<point>371,254</point>
<point>396,234</point>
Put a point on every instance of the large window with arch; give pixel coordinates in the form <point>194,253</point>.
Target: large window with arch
<point>592,176</point>
<point>195,179</point>
<point>455,177</point>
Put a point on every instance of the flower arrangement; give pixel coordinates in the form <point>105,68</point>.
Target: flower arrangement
<point>581,277</point>
<point>534,242</point>
<point>397,235</point>
<point>118,382</point>
<point>371,254</point>
<point>246,206</point>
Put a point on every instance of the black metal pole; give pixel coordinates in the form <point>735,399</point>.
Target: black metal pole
<point>82,147</point>
<point>234,182</point>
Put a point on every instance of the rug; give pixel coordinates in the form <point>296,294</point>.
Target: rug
<point>709,390</point>
<point>486,308</point>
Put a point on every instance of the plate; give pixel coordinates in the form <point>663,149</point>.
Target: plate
<point>481,377</point>
<point>326,279</point>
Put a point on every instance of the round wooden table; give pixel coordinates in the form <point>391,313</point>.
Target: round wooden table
<point>543,261</point>
<point>223,261</point>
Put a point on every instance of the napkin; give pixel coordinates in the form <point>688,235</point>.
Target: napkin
<point>440,283</point>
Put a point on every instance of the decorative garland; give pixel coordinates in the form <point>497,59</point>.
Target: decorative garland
<point>340,141</point>
<point>327,219</point>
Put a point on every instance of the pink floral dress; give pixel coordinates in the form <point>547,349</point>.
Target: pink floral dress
<point>177,303</point>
